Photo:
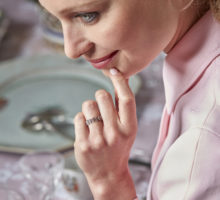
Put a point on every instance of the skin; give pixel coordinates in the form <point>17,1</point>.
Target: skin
<point>140,39</point>
<point>138,32</point>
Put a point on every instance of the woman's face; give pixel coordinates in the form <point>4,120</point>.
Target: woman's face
<point>124,34</point>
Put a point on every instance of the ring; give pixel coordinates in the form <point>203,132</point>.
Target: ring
<point>93,120</point>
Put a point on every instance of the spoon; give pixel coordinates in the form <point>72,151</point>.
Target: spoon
<point>49,120</point>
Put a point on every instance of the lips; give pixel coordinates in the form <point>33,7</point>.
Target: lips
<point>104,61</point>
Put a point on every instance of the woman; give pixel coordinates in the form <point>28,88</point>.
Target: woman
<point>121,37</point>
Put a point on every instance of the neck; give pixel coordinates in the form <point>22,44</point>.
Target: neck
<point>187,18</point>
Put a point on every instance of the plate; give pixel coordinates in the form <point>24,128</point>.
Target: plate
<point>37,83</point>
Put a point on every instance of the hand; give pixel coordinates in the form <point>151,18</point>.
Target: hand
<point>102,148</point>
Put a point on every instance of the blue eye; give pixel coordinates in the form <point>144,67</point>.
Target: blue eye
<point>88,17</point>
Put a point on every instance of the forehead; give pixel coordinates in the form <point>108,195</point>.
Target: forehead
<point>59,6</point>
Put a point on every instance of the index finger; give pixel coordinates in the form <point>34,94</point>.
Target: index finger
<point>126,100</point>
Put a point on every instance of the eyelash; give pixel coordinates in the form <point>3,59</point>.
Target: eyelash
<point>93,16</point>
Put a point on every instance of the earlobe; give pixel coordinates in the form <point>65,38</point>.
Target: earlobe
<point>181,4</point>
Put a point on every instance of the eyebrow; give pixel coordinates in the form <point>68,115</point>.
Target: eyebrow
<point>82,6</point>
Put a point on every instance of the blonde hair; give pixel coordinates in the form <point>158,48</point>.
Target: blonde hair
<point>215,7</point>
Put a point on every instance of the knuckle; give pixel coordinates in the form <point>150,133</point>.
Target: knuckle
<point>113,138</point>
<point>113,141</point>
<point>78,117</point>
<point>83,147</point>
<point>129,135</point>
<point>98,143</point>
<point>130,129</point>
<point>102,95</point>
<point>111,130</point>
<point>120,79</point>
<point>128,101</point>
<point>90,104</point>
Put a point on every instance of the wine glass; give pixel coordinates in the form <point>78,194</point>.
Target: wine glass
<point>42,169</point>
<point>7,193</point>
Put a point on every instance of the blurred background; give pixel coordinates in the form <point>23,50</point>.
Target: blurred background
<point>24,26</point>
<point>41,90</point>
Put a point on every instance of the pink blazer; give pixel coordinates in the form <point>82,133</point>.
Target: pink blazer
<point>186,160</point>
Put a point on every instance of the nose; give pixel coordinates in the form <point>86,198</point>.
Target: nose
<point>75,44</point>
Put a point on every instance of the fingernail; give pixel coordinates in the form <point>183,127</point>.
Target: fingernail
<point>114,71</point>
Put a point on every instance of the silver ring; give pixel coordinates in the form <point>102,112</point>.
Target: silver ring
<point>93,120</point>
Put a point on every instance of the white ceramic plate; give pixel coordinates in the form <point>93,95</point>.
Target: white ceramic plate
<point>37,83</point>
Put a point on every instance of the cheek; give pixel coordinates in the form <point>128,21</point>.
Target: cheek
<point>111,34</point>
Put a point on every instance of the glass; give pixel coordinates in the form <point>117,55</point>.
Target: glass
<point>10,194</point>
<point>75,184</point>
<point>43,170</point>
